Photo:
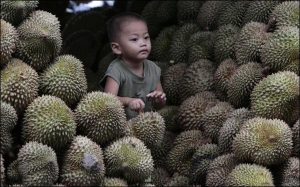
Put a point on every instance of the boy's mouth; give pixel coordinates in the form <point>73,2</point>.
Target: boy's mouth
<point>143,51</point>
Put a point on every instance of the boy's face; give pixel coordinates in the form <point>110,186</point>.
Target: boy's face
<point>134,42</point>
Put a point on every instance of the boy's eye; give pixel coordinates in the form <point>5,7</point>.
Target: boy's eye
<point>133,39</point>
<point>147,37</point>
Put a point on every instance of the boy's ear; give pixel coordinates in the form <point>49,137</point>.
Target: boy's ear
<point>115,48</point>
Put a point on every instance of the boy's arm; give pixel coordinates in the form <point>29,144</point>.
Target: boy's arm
<point>158,96</point>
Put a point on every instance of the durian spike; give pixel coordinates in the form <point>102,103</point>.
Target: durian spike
<point>271,22</point>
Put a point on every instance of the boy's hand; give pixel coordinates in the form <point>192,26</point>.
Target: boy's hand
<point>157,96</point>
<point>136,104</point>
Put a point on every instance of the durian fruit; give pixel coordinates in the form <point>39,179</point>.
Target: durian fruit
<point>2,171</point>
<point>40,39</point>
<point>162,43</point>
<point>13,173</point>
<point>16,11</point>
<point>19,84</point>
<point>171,84</point>
<point>222,76</point>
<point>101,117</point>
<point>242,82</point>
<point>179,45</point>
<point>225,38</point>
<point>249,175</point>
<point>259,11</point>
<point>231,127</point>
<point>286,14</point>
<point>197,77</point>
<point>65,79</point>
<point>263,141</point>
<point>295,130</point>
<point>178,180</point>
<point>281,49</point>
<point>191,110</point>
<point>276,96</point>
<point>250,40</point>
<point>149,127</point>
<point>166,12</point>
<point>9,41</point>
<point>213,118</point>
<point>169,114</point>
<point>8,122</point>
<point>50,121</point>
<point>37,164</point>
<point>187,11</point>
<point>128,158</point>
<point>290,172</point>
<point>293,66</point>
<point>110,181</point>
<point>202,158</point>
<point>220,168</point>
<point>104,64</point>
<point>163,67</point>
<point>159,176</point>
<point>83,163</point>
<point>208,14</point>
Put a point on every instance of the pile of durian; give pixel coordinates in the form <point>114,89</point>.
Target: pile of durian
<point>230,70</point>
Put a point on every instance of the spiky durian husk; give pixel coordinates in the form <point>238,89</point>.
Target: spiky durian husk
<point>231,127</point>
<point>205,39</point>
<point>169,113</point>
<point>242,82</point>
<point>213,118</point>
<point>263,141</point>
<point>293,66</point>
<point>159,176</point>
<point>65,79</point>
<point>187,11</point>
<point>281,49</point>
<point>191,110</point>
<point>290,172</point>
<point>162,43</point>
<point>148,127</point>
<point>19,84</point>
<point>2,171</point>
<point>163,67</point>
<point>202,158</point>
<point>83,163</point>
<point>9,41</point>
<point>219,169</point>
<point>16,11</point>
<point>101,117</point>
<point>259,11</point>
<point>13,174</point>
<point>9,117</point>
<point>166,12</point>
<point>179,45</point>
<point>286,14</point>
<point>250,41</point>
<point>276,96</point>
<point>6,141</point>
<point>197,77</point>
<point>109,181</point>
<point>37,164</point>
<point>178,180</point>
<point>296,146</point>
<point>171,84</point>
<point>249,175</point>
<point>128,158</point>
<point>225,38</point>
<point>197,52</point>
<point>50,121</point>
<point>222,76</point>
<point>40,39</point>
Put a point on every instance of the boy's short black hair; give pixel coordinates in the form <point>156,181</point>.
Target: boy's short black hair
<point>117,22</point>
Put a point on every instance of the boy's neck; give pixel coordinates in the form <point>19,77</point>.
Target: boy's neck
<point>137,68</point>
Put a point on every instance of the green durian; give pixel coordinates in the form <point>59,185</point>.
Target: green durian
<point>65,79</point>
<point>108,182</point>
<point>19,84</point>
<point>178,180</point>
<point>2,171</point>
<point>50,121</point>
<point>205,39</point>
<point>169,114</point>
<point>196,51</point>
<point>159,176</point>
<point>263,141</point>
<point>163,67</point>
<point>296,146</point>
<point>286,14</point>
<point>293,66</point>
<point>83,163</point>
<point>187,11</point>
<point>101,117</point>
<point>13,174</point>
<point>290,172</point>
<point>166,12</point>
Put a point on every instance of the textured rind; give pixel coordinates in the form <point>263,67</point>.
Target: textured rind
<point>19,84</point>
<point>169,114</point>
<point>242,82</point>
<point>40,39</point>
<point>166,12</point>
<point>213,119</point>
<point>16,11</point>
<point>259,11</point>
<point>65,79</point>
<point>108,182</point>
<point>149,127</point>
<point>2,171</point>
<point>263,141</point>
<point>202,158</point>
<point>296,146</point>
<point>9,40</point>
<point>249,175</point>
<point>178,180</point>
<point>74,172</point>
<point>101,117</point>
<point>281,49</point>
<point>128,157</point>
<point>6,141</point>
<point>171,84</point>
<point>231,127</point>
<point>37,164</point>
<point>50,121</point>
<point>220,168</point>
<point>205,39</point>
<point>159,176</point>
<point>275,96</point>
<point>286,14</point>
<point>187,11</point>
<point>191,110</point>
<point>290,172</point>
<point>13,173</point>
<point>293,66</point>
<point>250,41</point>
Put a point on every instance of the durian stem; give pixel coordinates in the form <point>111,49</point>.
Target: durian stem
<point>271,22</point>
<point>171,62</point>
<point>266,70</point>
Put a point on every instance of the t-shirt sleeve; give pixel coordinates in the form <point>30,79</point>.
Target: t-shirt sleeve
<point>114,73</point>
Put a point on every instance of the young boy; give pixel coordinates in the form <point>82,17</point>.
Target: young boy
<point>131,77</point>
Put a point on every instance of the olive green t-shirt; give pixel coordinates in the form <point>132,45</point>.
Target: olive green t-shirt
<point>132,85</point>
